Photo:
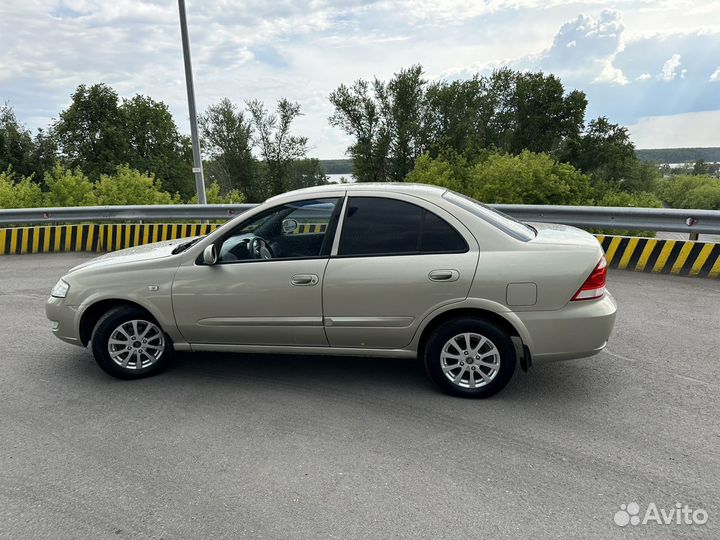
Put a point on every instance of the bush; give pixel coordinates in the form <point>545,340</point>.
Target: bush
<point>527,178</point>
<point>213,196</point>
<point>19,194</point>
<point>685,191</point>
<point>623,198</point>
<point>68,188</point>
<point>128,186</point>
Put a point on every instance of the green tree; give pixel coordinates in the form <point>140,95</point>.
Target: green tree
<point>543,116</point>
<point>395,122</point>
<point>16,144</point>
<point>277,146</point>
<point>129,186</point>
<point>98,132</point>
<point>68,188</point>
<point>359,115</point>
<point>154,144</point>
<point>91,131</point>
<point>401,101</point>
<point>227,138</point>
<point>304,173</point>
<point>21,193</point>
<point>604,151</point>
<point>700,168</point>
<point>457,117</point>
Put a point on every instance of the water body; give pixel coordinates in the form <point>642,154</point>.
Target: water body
<point>335,178</point>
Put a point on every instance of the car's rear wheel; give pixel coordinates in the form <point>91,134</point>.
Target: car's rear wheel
<point>129,344</point>
<point>470,357</point>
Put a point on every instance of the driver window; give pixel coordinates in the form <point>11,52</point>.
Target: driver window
<point>295,230</point>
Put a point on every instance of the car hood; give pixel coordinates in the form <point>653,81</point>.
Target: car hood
<point>554,233</point>
<point>134,254</point>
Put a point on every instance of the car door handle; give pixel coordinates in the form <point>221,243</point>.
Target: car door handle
<point>304,279</point>
<point>444,275</point>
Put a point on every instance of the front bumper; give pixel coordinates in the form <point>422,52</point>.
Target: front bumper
<point>579,329</point>
<point>63,319</point>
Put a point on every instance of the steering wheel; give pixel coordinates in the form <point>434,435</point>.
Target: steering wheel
<point>260,249</point>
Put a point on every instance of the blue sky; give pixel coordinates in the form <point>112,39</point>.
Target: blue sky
<point>653,66</point>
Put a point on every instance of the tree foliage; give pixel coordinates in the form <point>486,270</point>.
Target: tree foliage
<point>226,136</point>
<point>215,195</point>
<point>18,150</point>
<point>528,178</point>
<point>129,186</point>
<point>277,146</point>
<point>690,191</point>
<point>98,131</point>
<point>19,192</point>
<point>68,188</point>
<point>394,122</point>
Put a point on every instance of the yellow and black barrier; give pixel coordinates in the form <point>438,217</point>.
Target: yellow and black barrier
<point>93,237</point>
<point>680,257</point>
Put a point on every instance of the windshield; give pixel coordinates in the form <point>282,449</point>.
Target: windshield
<point>507,224</point>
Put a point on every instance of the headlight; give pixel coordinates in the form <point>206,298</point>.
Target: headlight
<point>60,289</point>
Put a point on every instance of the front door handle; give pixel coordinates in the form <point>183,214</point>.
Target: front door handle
<point>304,280</point>
<point>444,275</point>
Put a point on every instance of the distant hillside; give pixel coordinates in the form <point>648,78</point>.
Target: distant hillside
<point>337,166</point>
<point>678,155</point>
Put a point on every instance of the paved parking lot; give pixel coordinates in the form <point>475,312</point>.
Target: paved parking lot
<point>229,446</point>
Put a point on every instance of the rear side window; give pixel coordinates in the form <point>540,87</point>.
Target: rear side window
<point>378,226</point>
<point>508,225</point>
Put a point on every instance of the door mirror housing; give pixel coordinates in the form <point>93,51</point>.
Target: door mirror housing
<point>210,255</point>
<point>289,226</point>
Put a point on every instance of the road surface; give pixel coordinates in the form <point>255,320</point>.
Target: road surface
<point>231,446</point>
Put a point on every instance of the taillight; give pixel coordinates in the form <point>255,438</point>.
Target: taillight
<point>594,286</point>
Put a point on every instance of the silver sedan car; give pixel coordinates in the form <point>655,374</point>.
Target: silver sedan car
<point>392,270</point>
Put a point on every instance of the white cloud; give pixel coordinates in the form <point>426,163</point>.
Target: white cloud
<point>611,75</point>
<point>303,50</point>
<point>669,69</point>
<point>679,130</point>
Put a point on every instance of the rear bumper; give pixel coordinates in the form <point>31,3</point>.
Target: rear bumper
<point>579,329</point>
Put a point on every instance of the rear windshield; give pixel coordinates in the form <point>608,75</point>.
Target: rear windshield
<point>508,225</point>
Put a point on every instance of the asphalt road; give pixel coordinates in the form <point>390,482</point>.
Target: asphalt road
<point>230,446</point>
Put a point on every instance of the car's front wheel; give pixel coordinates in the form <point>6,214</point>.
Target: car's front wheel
<point>129,344</point>
<point>470,357</point>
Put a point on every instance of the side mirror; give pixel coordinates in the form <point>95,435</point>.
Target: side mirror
<point>210,255</point>
<point>289,226</point>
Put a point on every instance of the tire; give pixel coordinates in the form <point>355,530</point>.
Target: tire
<point>478,375</point>
<point>119,360</point>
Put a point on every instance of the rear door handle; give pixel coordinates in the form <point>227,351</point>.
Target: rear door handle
<point>444,275</point>
<point>304,279</point>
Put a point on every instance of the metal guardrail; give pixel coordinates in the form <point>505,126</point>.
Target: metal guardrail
<point>599,217</point>
<point>623,218</point>
<point>160,212</point>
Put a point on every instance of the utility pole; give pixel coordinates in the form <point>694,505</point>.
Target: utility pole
<point>197,159</point>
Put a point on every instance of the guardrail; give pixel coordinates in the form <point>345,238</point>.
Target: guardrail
<point>599,217</point>
<point>160,212</point>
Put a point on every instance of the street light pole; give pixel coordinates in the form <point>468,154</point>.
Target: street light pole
<point>197,160</point>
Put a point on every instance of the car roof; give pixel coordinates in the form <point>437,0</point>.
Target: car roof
<point>359,187</point>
